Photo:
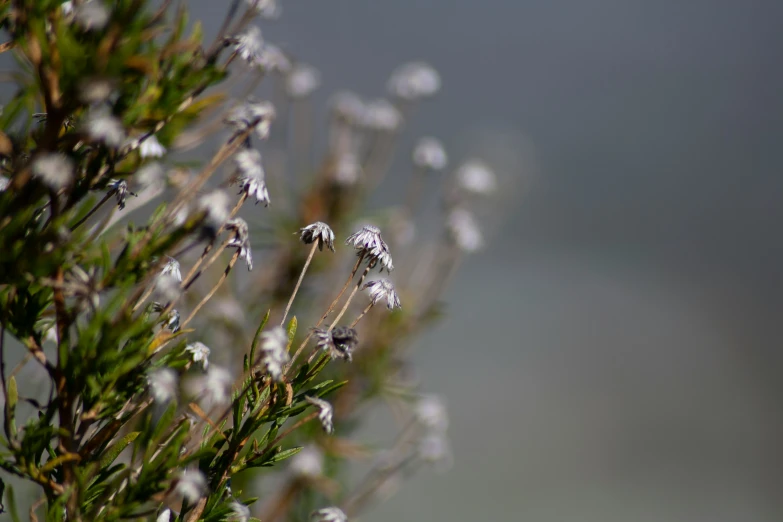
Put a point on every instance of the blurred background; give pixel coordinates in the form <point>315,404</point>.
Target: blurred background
<point>613,353</point>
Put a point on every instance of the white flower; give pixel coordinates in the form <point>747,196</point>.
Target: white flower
<point>302,81</point>
<point>239,512</point>
<point>325,412</point>
<point>434,448</point>
<point>464,231</point>
<point>348,106</point>
<point>216,206</point>
<point>172,320</point>
<point>172,267</point>
<point>216,385</point>
<point>163,385</point>
<point>104,127</point>
<point>119,187</point>
<point>274,59</point>
<point>199,352</point>
<point>4,182</point>
<point>328,514</point>
<point>413,81</point>
<point>90,15</point>
<point>320,232</point>
<point>383,289</point>
<point>274,344</point>
<point>430,412</point>
<point>430,154</point>
<point>476,177</point>
<point>265,8</point>
<point>347,169</point>
<point>164,516</point>
<point>308,463</point>
<point>67,8</point>
<point>54,170</point>
<point>192,485</point>
<point>151,148</point>
<point>167,287</point>
<point>94,91</point>
<point>149,175</point>
<point>249,45</point>
<point>369,242</point>
<point>241,239</point>
<point>251,175</point>
<point>258,115</point>
<point>381,115</point>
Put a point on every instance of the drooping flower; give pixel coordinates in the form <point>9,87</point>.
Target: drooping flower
<point>368,242</point>
<point>274,343</point>
<point>325,413</point>
<point>163,385</point>
<point>328,514</point>
<point>319,232</point>
<point>172,267</point>
<point>413,81</point>
<point>383,289</point>
<point>119,188</point>
<point>476,177</point>
<point>339,342</point>
<point>215,205</point>
<point>464,231</point>
<point>199,352</point>
<point>192,485</point>
<point>249,45</point>
<point>171,320</point>
<point>54,170</point>
<point>102,126</point>
<point>241,239</point>
<point>251,175</point>
<point>429,153</point>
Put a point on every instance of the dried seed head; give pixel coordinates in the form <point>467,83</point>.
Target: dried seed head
<point>172,268</point>
<point>199,352</point>
<point>215,205</point>
<point>54,170</point>
<point>320,232</point>
<point>430,154</point>
<point>274,343</point>
<point>307,464</point>
<point>302,81</point>
<point>249,45</point>
<point>328,514</point>
<point>119,188</point>
<point>382,116</point>
<point>383,289</point>
<point>241,239</point>
<point>339,342</point>
<point>91,15</point>
<point>251,175</point>
<point>368,242</point>
<point>192,485</point>
<point>163,385</point>
<point>431,413</point>
<point>239,512</point>
<point>324,413</point>
<point>476,177</point>
<point>102,126</point>
<point>151,148</point>
<point>413,81</point>
<point>464,231</point>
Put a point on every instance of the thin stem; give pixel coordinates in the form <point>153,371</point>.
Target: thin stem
<point>364,312</point>
<point>92,211</point>
<point>288,431</point>
<point>328,310</point>
<point>350,297</point>
<point>299,283</point>
<point>214,289</point>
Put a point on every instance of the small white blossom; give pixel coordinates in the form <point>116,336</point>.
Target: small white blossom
<point>95,91</point>
<point>319,232</point>
<point>192,485</point>
<point>430,154</point>
<point>151,148</point>
<point>163,385</point>
<point>381,115</point>
<point>54,170</point>
<point>274,59</point>
<point>328,514</point>
<point>164,516</point>
<point>4,182</point>
<point>67,8</point>
<point>348,106</point>
<point>119,188</point>
<point>214,387</point>
<point>104,127</point>
<point>369,242</point>
<point>149,175</point>
<point>256,114</point>
<point>266,8</point>
<point>274,344</point>
<point>249,45</point>
<point>251,175</point>
<point>302,81</point>
<point>324,413</point>
<point>307,464</point>
<point>241,239</point>
<point>216,206</point>
<point>431,413</point>
<point>91,15</point>
<point>347,169</point>
<point>413,81</point>
<point>199,352</point>
<point>239,512</point>
<point>172,320</point>
<point>464,231</point>
<point>167,287</point>
<point>476,177</point>
<point>434,448</point>
<point>172,267</point>
<point>383,289</point>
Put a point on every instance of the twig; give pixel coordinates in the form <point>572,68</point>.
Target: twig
<point>299,282</point>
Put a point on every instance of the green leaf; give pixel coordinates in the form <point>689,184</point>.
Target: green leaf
<point>12,505</point>
<point>291,332</point>
<point>114,452</point>
<point>254,344</point>
<point>13,399</point>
